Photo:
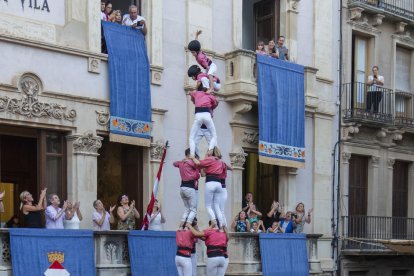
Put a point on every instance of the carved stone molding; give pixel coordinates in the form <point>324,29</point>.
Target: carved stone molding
<point>102,117</point>
<point>293,5</point>
<point>400,27</point>
<point>346,156</point>
<point>94,65</point>
<point>375,160</point>
<point>292,171</point>
<point>238,159</point>
<point>242,107</point>
<point>157,150</point>
<point>86,144</point>
<point>29,106</point>
<point>251,137</point>
<point>156,74</point>
<point>355,13</point>
<point>112,251</point>
<point>382,133</point>
<point>390,163</point>
<point>378,18</point>
<point>349,130</point>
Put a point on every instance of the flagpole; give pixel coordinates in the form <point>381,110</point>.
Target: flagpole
<point>145,222</point>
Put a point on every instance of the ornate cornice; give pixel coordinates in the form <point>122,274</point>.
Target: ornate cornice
<point>238,159</point>
<point>86,143</point>
<point>102,118</point>
<point>29,105</point>
<point>375,160</point>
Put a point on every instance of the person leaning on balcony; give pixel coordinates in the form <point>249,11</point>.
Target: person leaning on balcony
<point>272,50</point>
<point>375,82</point>
<point>31,212</point>
<point>54,214</point>
<point>134,20</point>
<point>240,223</point>
<point>301,217</point>
<point>74,216</point>
<point>273,215</point>
<point>126,213</point>
<point>283,51</point>
<point>286,224</point>
<point>102,219</point>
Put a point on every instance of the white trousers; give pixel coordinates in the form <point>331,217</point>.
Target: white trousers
<point>194,263</point>
<point>184,266</point>
<point>206,84</point>
<point>189,197</point>
<point>212,70</point>
<point>199,119</point>
<point>212,195</point>
<point>223,200</point>
<point>202,132</point>
<point>216,266</point>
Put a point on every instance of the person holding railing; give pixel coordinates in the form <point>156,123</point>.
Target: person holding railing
<point>374,96</point>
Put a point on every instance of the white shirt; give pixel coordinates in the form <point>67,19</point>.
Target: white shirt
<point>73,223</point>
<point>373,85</point>
<point>106,226</point>
<point>155,223</point>
<point>127,21</point>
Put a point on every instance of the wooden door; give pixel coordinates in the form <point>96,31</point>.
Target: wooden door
<point>266,16</point>
<point>399,200</point>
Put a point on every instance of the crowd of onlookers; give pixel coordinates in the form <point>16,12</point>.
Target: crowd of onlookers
<point>278,50</point>
<point>276,220</point>
<point>69,215</point>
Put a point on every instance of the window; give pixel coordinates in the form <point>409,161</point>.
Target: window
<point>360,70</point>
<point>358,185</point>
<point>403,94</point>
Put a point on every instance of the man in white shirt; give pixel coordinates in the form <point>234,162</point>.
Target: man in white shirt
<point>134,20</point>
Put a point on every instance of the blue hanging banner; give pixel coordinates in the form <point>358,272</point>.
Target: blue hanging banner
<point>284,254</point>
<point>52,252</point>
<point>281,100</point>
<point>129,80</point>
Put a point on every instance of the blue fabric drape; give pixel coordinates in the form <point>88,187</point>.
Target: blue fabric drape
<point>30,248</point>
<point>281,112</point>
<point>129,79</point>
<point>152,252</point>
<point>284,254</point>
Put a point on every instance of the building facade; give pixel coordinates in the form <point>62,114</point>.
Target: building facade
<point>377,170</point>
<point>54,104</point>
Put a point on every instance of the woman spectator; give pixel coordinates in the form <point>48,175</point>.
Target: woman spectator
<point>274,214</point>
<point>286,224</point>
<point>157,219</point>
<point>102,219</point>
<point>274,228</point>
<point>300,217</point>
<point>272,49</point>
<point>32,213</point>
<point>126,213</point>
<point>117,17</point>
<point>240,223</point>
<point>260,49</point>
<point>14,222</point>
<point>107,13</point>
<point>74,216</point>
<point>257,227</point>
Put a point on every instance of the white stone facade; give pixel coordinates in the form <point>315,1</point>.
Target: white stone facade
<point>63,57</point>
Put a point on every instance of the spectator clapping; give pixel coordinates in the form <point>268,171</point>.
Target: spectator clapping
<point>240,223</point>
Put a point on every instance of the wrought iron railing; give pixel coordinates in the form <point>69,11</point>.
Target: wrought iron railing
<point>364,232</point>
<point>401,8</point>
<point>365,102</point>
<point>404,108</point>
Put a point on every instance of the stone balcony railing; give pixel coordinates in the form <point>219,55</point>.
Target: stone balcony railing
<point>112,258</point>
<point>398,10</point>
<point>240,87</point>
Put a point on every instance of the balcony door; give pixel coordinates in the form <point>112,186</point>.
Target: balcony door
<point>266,18</point>
<point>403,93</point>
<point>399,200</point>
<point>358,197</point>
<point>360,70</point>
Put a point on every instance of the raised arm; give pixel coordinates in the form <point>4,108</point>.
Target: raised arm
<point>195,232</point>
<point>198,32</point>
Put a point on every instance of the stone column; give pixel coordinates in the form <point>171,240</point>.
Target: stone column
<point>388,188</point>
<point>156,152</point>
<point>344,190</point>
<point>291,27</point>
<point>373,185</point>
<point>238,24</point>
<point>94,28</point>
<point>235,189</point>
<point>287,187</point>
<point>83,171</point>
<point>314,261</point>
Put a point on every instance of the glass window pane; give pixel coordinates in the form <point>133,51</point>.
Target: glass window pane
<point>54,175</point>
<point>53,143</point>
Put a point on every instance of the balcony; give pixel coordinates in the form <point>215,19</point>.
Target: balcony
<point>396,9</point>
<point>383,107</point>
<point>112,258</point>
<point>363,234</point>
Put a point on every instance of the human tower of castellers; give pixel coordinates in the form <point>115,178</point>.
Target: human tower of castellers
<point>215,170</point>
